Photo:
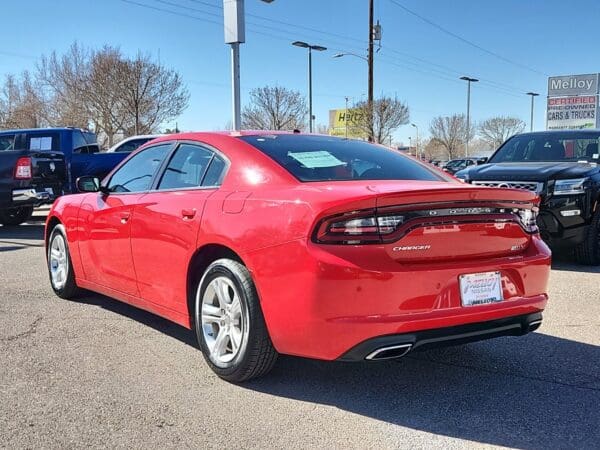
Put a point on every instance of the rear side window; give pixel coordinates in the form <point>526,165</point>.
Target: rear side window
<point>323,158</point>
<point>137,173</point>
<point>186,168</point>
<point>7,142</point>
<point>215,173</point>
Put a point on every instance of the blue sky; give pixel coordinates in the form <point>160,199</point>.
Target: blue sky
<point>417,62</point>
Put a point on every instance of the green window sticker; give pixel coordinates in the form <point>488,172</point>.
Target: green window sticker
<point>314,160</point>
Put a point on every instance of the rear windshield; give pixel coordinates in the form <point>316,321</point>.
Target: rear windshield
<point>42,141</point>
<point>554,146</point>
<point>323,158</point>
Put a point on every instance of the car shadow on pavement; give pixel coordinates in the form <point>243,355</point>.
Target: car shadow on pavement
<point>26,232</point>
<point>536,391</point>
<point>139,315</point>
<point>569,265</point>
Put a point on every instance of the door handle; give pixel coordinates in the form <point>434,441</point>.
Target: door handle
<point>125,218</point>
<point>188,213</point>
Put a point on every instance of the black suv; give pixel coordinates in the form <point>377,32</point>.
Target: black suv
<point>562,167</point>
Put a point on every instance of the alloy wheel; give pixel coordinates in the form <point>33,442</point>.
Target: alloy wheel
<point>58,262</point>
<point>224,324</point>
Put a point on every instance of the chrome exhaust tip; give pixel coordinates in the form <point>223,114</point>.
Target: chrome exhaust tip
<point>389,352</point>
<point>534,325</point>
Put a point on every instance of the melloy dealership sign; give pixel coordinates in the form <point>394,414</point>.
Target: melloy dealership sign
<point>572,102</point>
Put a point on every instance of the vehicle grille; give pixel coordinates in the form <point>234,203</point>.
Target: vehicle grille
<point>527,185</point>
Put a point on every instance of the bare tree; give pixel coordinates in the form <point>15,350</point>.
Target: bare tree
<point>321,128</point>
<point>450,132</point>
<point>387,115</point>
<point>115,94</point>
<point>151,94</point>
<point>20,105</point>
<point>496,130</point>
<point>433,150</point>
<point>62,84</point>
<point>274,108</point>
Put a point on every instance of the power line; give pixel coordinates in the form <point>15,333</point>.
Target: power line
<point>17,55</point>
<point>281,22</point>
<point>466,41</point>
<point>447,75</point>
<point>176,13</point>
<point>250,24</point>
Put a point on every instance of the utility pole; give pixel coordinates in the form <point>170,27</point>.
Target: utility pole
<point>533,95</point>
<point>469,80</point>
<point>370,63</point>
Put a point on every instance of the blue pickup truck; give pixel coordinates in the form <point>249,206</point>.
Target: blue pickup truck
<point>39,164</point>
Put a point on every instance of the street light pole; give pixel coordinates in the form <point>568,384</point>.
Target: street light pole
<point>417,145</point>
<point>533,95</point>
<point>310,48</point>
<point>469,80</point>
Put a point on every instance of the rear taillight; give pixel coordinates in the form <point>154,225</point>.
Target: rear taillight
<point>528,219</point>
<point>350,229</point>
<point>23,168</point>
<point>390,224</point>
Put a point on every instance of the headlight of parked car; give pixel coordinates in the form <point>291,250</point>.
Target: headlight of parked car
<point>568,187</point>
<point>462,175</point>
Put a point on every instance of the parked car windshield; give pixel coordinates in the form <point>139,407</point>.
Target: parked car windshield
<point>567,146</point>
<point>323,158</point>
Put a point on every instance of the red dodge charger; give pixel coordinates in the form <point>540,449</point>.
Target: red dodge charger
<point>268,243</point>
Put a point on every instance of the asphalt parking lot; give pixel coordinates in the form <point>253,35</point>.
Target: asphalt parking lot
<point>102,374</point>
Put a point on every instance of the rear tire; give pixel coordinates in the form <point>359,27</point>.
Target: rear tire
<point>15,216</point>
<point>229,323</point>
<point>588,252</point>
<point>60,269</point>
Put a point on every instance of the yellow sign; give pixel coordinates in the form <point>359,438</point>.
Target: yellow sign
<point>344,122</point>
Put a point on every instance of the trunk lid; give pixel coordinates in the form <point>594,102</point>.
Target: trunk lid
<point>431,221</point>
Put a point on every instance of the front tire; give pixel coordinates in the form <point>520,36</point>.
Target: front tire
<point>229,323</point>
<point>15,216</point>
<point>588,252</point>
<point>60,269</point>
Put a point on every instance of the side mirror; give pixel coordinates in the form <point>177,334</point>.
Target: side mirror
<point>482,160</point>
<point>88,184</point>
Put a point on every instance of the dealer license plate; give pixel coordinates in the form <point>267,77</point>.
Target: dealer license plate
<point>480,288</point>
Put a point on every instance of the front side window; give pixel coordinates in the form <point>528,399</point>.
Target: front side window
<point>186,168</point>
<point>137,173</point>
<point>84,142</point>
<point>554,146</point>
<point>324,158</point>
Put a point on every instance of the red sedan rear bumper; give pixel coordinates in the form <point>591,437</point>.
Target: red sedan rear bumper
<point>318,303</point>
